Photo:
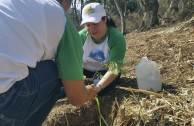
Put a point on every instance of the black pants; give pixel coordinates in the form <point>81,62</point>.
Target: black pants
<point>112,85</point>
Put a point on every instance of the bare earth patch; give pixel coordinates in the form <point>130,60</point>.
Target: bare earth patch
<point>172,49</point>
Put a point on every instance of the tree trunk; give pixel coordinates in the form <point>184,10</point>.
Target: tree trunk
<point>105,3</point>
<point>121,16</point>
<point>76,19</point>
<point>150,18</point>
<point>82,5</point>
<point>172,9</point>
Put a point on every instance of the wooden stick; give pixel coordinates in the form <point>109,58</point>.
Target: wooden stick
<point>140,90</point>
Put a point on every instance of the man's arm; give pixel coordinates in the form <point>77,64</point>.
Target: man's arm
<point>69,62</point>
<point>77,93</point>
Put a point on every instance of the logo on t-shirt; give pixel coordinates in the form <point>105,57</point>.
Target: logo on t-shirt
<point>97,55</point>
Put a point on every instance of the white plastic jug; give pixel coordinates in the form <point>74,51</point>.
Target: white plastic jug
<point>148,75</point>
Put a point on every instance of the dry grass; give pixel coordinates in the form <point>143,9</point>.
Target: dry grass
<point>171,48</point>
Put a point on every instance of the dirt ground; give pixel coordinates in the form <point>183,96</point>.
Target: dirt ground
<point>172,48</point>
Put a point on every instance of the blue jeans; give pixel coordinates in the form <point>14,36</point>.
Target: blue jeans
<point>29,101</point>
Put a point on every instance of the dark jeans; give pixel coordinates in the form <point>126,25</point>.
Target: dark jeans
<point>112,85</point>
<point>29,101</point>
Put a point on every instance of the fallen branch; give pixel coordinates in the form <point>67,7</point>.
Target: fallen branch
<point>140,90</point>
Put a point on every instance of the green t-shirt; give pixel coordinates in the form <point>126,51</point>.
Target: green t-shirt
<point>116,44</point>
<point>69,53</point>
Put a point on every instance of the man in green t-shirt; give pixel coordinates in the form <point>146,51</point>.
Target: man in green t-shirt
<point>33,33</point>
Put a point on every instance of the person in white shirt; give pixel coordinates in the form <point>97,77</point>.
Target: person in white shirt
<point>104,48</point>
<point>40,52</point>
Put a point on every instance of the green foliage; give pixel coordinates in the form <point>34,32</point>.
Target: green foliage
<point>115,67</point>
<point>188,10</point>
<point>101,118</point>
<point>150,3</point>
<point>132,5</point>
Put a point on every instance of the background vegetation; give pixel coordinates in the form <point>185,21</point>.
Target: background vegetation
<point>131,15</point>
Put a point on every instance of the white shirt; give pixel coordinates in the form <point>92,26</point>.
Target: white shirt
<point>29,32</point>
<point>95,55</point>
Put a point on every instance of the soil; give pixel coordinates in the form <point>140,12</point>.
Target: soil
<point>172,48</point>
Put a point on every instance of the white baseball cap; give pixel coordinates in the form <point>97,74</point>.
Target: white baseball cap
<point>93,12</point>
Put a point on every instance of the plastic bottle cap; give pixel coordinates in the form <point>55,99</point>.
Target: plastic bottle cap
<point>144,59</point>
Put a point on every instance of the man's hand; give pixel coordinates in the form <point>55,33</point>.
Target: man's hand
<point>92,91</point>
<point>77,93</point>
